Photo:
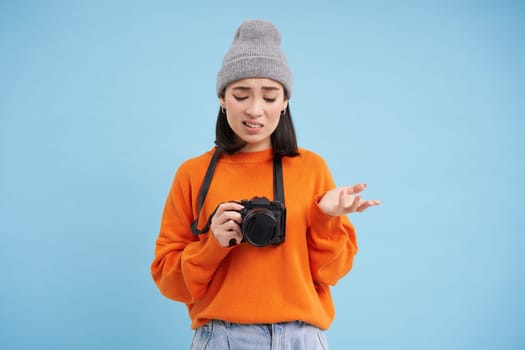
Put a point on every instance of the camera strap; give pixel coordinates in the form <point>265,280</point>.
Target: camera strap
<point>278,189</point>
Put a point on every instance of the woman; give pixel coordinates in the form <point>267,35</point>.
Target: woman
<point>253,261</point>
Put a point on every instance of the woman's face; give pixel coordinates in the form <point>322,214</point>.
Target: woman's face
<point>253,108</point>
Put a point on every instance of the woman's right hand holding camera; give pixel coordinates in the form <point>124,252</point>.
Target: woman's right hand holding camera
<point>225,224</point>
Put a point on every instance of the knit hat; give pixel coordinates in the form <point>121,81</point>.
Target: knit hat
<point>255,53</point>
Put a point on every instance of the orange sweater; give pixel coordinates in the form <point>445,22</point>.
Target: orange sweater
<point>246,284</point>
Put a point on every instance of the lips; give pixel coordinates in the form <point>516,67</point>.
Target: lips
<point>252,125</point>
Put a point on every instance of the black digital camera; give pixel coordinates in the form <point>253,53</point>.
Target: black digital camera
<point>263,222</point>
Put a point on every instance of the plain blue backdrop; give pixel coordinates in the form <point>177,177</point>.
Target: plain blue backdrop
<point>100,102</point>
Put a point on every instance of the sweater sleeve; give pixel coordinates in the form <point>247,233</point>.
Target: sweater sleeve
<point>184,263</point>
<point>332,242</point>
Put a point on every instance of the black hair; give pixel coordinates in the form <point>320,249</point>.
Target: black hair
<point>284,140</point>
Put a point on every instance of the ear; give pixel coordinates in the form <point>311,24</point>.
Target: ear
<point>285,104</point>
<point>222,102</point>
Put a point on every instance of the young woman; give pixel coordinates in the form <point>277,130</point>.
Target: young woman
<point>254,232</point>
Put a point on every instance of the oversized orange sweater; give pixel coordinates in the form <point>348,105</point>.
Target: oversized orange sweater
<point>247,284</point>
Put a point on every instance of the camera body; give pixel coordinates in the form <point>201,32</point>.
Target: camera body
<point>263,222</point>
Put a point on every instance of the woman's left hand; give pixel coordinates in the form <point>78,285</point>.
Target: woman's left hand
<point>345,200</point>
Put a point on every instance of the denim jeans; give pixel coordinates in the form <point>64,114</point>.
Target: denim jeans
<point>220,335</point>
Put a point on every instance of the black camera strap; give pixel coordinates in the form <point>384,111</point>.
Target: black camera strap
<point>202,195</point>
<point>278,189</point>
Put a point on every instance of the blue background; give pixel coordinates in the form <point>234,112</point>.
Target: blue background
<point>100,102</point>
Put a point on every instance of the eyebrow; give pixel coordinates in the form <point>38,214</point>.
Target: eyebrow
<point>246,88</point>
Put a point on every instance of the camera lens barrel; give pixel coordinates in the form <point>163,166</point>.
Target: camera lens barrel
<point>258,227</point>
<point>263,222</point>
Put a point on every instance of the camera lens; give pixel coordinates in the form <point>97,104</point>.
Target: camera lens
<point>258,227</point>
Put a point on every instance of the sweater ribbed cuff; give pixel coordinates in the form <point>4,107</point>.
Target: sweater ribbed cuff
<point>318,219</point>
<point>212,253</point>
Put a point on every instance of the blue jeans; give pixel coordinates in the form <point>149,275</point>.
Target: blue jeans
<point>220,335</point>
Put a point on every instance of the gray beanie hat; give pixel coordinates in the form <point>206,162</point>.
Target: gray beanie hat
<point>255,53</point>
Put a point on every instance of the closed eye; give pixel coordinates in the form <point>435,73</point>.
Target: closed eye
<point>240,98</point>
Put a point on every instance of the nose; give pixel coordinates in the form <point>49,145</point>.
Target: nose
<point>255,108</point>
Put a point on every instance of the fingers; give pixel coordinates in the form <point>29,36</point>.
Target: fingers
<point>233,233</point>
<point>231,226</point>
<point>228,206</point>
<point>225,224</point>
<point>356,201</point>
<point>345,200</point>
<point>351,201</point>
<point>227,211</point>
<point>367,204</point>
<point>355,189</point>
<point>227,234</point>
